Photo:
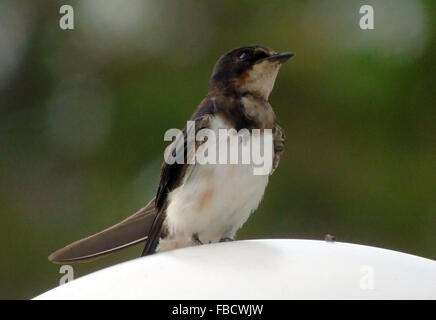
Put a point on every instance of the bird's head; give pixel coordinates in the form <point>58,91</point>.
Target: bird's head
<point>248,69</point>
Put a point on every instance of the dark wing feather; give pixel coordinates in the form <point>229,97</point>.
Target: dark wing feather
<point>128,232</point>
<point>172,176</point>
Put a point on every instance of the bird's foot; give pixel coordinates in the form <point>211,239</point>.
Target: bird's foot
<point>196,239</point>
<point>226,239</point>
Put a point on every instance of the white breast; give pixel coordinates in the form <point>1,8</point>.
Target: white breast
<point>214,201</point>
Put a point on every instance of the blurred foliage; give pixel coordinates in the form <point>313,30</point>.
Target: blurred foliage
<point>83,112</point>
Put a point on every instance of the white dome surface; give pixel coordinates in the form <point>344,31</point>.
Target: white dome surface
<point>261,269</point>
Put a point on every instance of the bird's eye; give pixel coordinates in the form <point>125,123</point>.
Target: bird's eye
<point>244,56</point>
<point>261,55</point>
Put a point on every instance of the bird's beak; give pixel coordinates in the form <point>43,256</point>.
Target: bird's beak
<point>281,57</point>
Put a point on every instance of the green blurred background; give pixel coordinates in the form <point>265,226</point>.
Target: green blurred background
<point>83,113</point>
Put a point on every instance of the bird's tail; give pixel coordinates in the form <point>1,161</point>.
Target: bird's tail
<point>131,231</point>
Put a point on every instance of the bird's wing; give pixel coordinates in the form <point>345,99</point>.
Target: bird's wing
<point>172,175</point>
<point>279,146</point>
<point>128,232</point>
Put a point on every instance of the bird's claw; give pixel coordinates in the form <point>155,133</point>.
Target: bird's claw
<point>196,239</point>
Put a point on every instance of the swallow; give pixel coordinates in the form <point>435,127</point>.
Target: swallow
<point>203,203</point>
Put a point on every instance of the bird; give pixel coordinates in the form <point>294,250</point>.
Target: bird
<point>197,203</point>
